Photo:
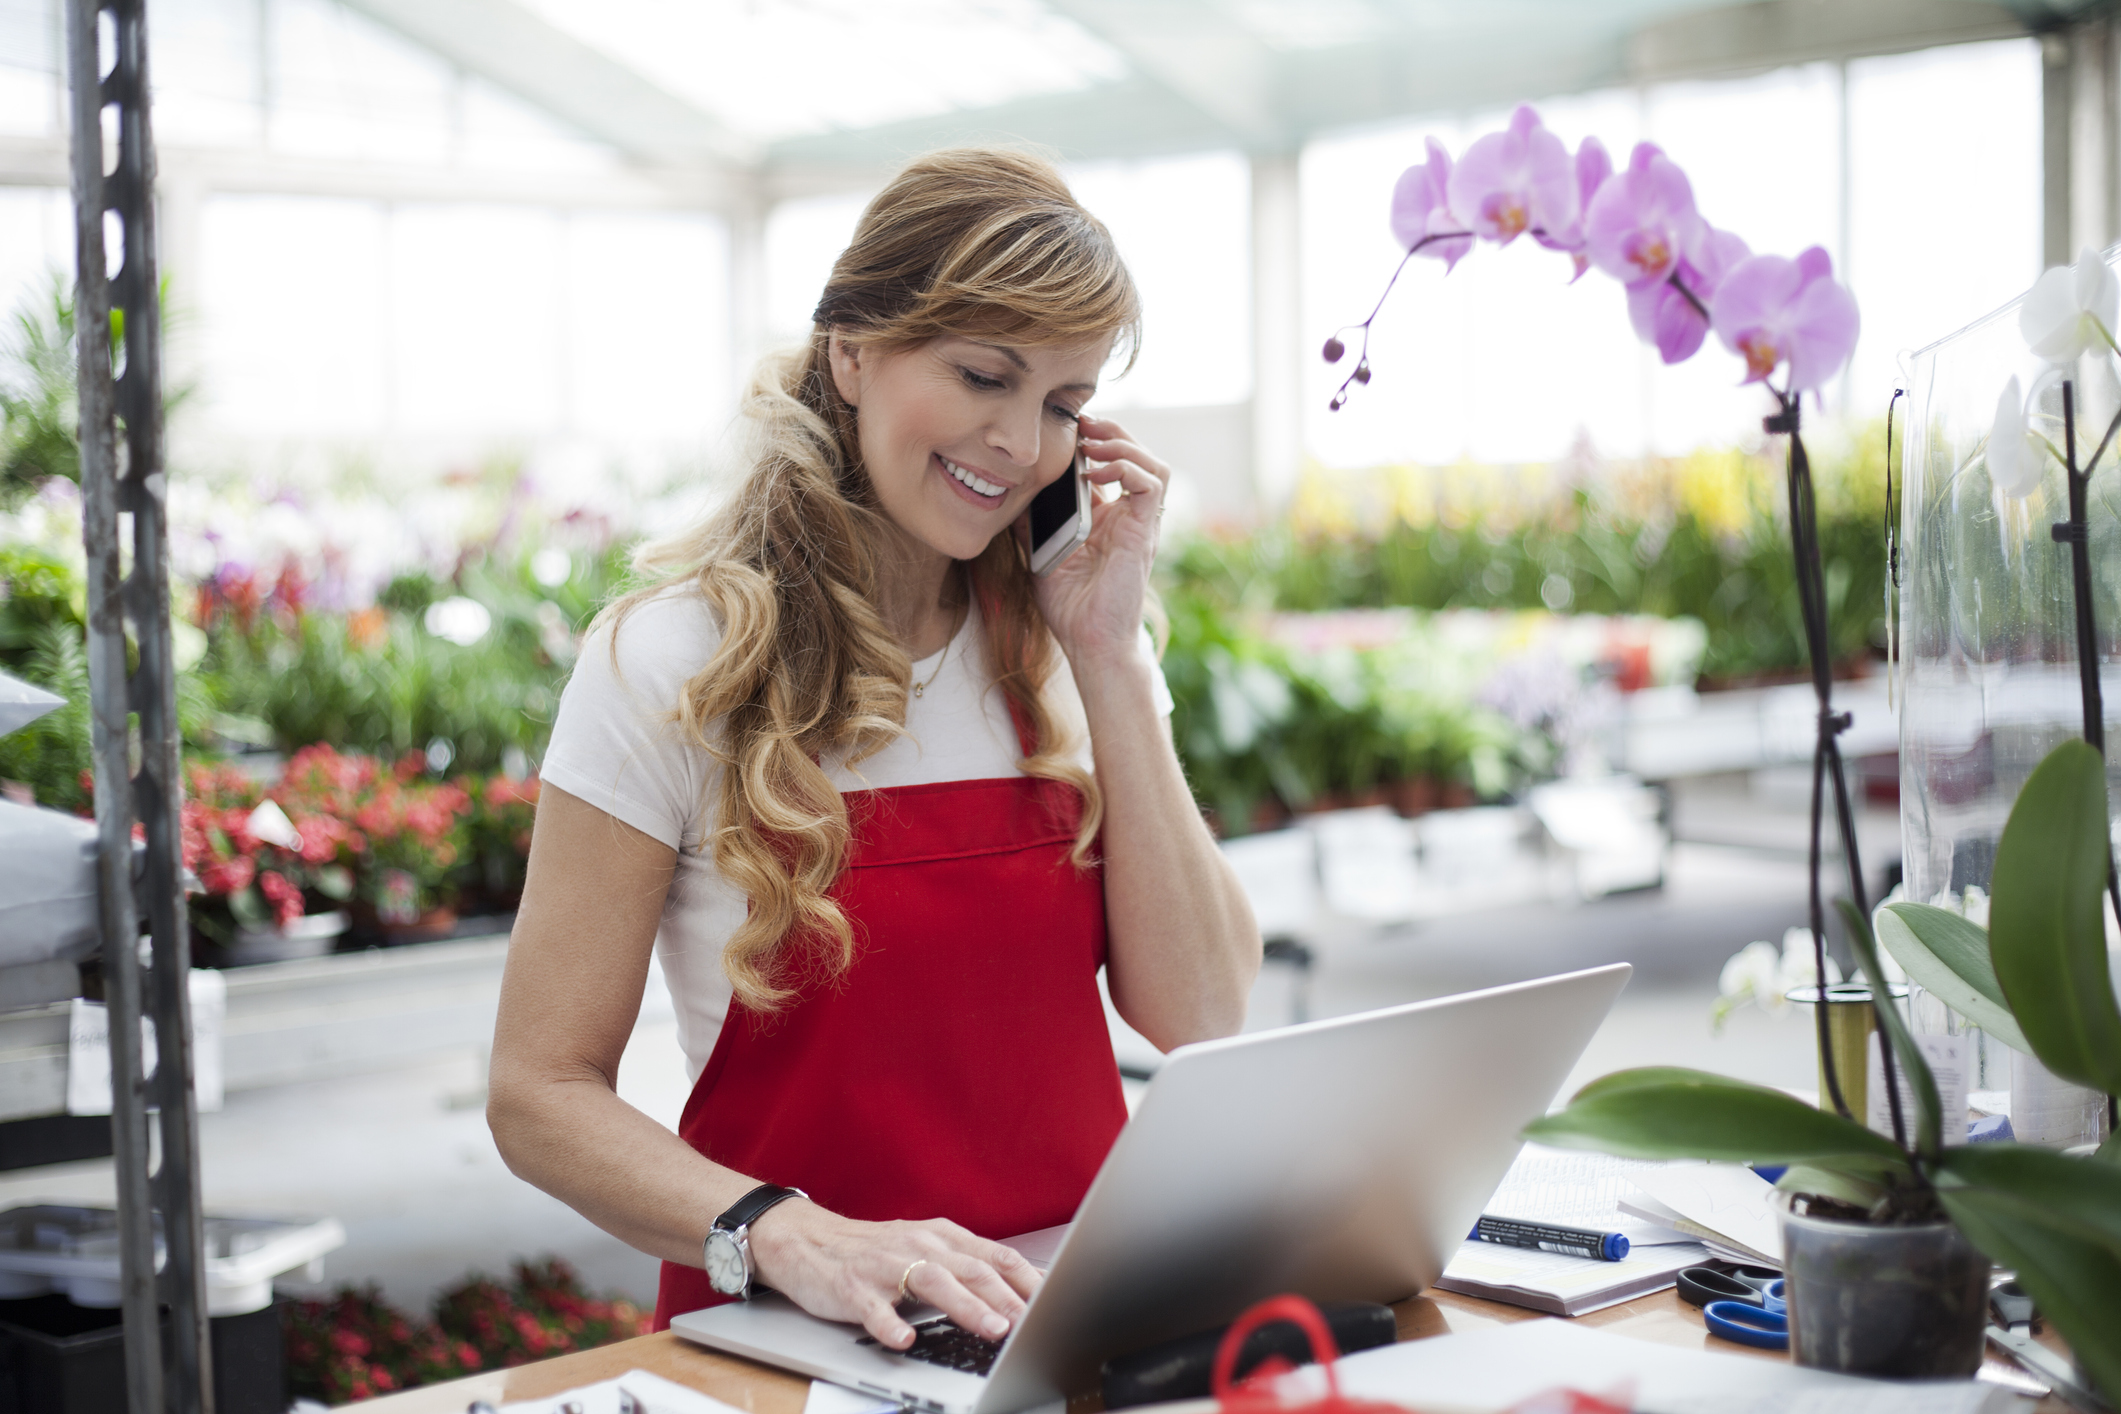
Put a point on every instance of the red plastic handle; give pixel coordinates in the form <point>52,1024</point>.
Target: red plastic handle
<point>1294,1309</point>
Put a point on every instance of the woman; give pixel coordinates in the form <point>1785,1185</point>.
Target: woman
<point>834,768</point>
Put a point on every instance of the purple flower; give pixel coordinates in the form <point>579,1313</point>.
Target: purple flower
<point>1774,311</point>
<point>1420,209</point>
<point>1593,166</point>
<point>1642,222</point>
<point>1664,316</point>
<point>1514,181</point>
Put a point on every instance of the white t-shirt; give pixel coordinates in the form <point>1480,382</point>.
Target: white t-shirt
<point>612,747</point>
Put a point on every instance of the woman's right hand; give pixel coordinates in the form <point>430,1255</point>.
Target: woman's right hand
<point>844,1270</point>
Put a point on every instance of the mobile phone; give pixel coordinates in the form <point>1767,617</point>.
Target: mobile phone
<point>1060,518</point>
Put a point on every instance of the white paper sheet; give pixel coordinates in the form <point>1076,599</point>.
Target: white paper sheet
<point>828,1398</point>
<point>1497,1368</point>
<point>1570,1285</point>
<point>1726,1201</point>
<point>656,1394</point>
<point>1580,1189</point>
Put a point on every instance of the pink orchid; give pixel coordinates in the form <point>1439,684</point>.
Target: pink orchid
<point>1774,311</point>
<point>1664,316</point>
<point>1420,209</point>
<point>1642,222</point>
<point>1514,181</point>
<point>1593,166</point>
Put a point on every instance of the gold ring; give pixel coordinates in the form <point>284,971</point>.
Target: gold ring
<point>905,1292</point>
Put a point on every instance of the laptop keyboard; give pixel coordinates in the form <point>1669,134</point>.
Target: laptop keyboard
<point>944,1342</point>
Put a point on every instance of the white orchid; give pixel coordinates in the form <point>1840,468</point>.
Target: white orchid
<point>2071,309</point>
<point>1765,975</point>
<point>2016,457</point>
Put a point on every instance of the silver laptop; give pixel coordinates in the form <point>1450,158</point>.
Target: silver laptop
<point>1344,1159</point>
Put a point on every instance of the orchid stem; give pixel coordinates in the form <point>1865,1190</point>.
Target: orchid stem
<point>2076,533</point>
<point>1362,355</point>
<point>1826,758</point>
<point>1695,300</point>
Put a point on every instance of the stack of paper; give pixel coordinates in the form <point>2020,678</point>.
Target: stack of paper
<point>1572,1189</point>
<point>1728,1207</point>
<point>1564,1286</point>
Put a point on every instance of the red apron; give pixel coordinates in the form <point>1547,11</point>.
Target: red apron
<point>961,1068</point>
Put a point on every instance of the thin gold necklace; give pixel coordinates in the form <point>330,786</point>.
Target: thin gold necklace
<point>920,689</point>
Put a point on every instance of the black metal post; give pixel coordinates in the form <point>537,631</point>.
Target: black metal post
<point>132,689</point>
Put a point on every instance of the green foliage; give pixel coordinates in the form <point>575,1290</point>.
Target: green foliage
<point>39,417</point>
<point>1946,955</point>
<point>377,681</point>
<point>38,590</point>
<point>54,754</point>
<point>1705,537</point>
<point>2072,1273</point>
<point>1260,725</point>
<point>1667,1112</point>
<point>2047,930</point>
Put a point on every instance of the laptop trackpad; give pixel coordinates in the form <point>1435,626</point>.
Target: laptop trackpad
<point>1040,1247</point>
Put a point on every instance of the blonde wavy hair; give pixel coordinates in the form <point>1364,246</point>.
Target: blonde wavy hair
<point>987,242</point>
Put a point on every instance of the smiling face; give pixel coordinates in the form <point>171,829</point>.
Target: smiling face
<point>959,434</point>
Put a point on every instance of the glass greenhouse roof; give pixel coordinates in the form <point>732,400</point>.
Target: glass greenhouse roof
<point>774,68</point>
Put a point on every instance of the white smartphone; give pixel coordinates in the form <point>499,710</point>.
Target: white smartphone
<point>1060,518</point>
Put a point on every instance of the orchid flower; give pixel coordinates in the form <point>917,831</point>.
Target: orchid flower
<point>1421,210</point>
<point>1514,181</point>
<point>1664,315</point>
<point>2071,309</point>
<point>2016,454</point>
<point>1593,166</point>
<point>1773,311</point>
<point>1643,220</point>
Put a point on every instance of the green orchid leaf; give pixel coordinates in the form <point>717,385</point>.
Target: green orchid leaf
<point>2076,1191</point>
<point>1645,1075</point>
<point>1945,954</point>
<point>2046,922</point>
<point>2074,1277</point>
<point>1837,1179</point>
<point>2110,1151</point>
<point>1929,1110</point>
<point>1690,1114</point>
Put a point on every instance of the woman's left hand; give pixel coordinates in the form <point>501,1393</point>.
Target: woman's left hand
<point>1093,599</point>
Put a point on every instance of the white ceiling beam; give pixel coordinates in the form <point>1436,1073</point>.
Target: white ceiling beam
<point>43,162</point>
<point>1202,52</point>
<point>508,46</point>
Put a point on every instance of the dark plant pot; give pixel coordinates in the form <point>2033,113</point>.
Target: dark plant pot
<point>1903,1302</point>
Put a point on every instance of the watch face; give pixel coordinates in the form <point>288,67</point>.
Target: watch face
<point>727,1272</point>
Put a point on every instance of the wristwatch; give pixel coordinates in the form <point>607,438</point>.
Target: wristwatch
<point>729,1268</point>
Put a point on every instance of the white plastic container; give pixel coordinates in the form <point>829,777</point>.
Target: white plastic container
<point>50,1247</point>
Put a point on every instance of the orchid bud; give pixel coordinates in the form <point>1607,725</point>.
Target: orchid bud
<point>1362,371</point>
<point>1338,399</point>
<point>1335,350</point>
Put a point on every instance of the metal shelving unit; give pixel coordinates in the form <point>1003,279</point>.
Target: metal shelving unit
<point>117,318</point>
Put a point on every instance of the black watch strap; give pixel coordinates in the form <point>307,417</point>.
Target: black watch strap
<point>748,1209</point>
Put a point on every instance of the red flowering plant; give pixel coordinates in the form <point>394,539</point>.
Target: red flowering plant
<point>401,835</point>
<point>544,1312</point>
<point>354,1345</point>
<point>497,841</point>
<point>258,866</point>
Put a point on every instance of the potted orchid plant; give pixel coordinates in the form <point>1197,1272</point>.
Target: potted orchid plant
<point>1888,1238</point>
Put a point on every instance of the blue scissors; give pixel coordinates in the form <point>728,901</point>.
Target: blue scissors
<point>1765,1324</point>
